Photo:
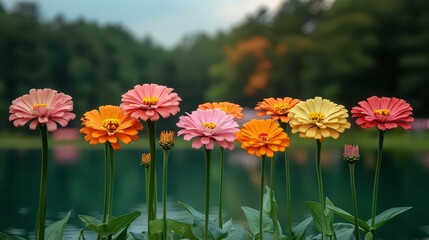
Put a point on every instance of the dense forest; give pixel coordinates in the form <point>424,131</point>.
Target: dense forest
<point>346,52</point>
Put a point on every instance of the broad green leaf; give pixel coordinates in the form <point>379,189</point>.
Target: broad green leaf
<point>239,233</point>
<point>387,215</point>
<point>299,230</point>
<point>317,214</point>
<point>79,235</point>
<point>344,231</point>
<point>94,225</point>
<point>347,216</point>
<point>272,211</point>
<point>9,237</point>
<point>369,236</point>
<point>252,216</point>
<point>192,211</point>
<point>55,230</point>
<point>122,235</point>
<point>179,228</point>
<point>121,222</point>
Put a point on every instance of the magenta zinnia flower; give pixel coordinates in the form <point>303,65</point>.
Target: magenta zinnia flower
<point>383,113</point>
<point>42,106</point>
<point>148,101</point>
<point>209,126</point>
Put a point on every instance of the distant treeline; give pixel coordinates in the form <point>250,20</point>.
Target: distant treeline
<point>345,52</point>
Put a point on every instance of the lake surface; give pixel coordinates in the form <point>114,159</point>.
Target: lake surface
<point>76,181</point>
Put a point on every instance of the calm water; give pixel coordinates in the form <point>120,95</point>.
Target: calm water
<point>76,180</point>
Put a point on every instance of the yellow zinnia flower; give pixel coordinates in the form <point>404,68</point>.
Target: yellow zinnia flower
<point>318,118</point>
<point>263,137</point>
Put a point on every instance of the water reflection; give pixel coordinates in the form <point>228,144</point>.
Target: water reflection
<point>78,185</point>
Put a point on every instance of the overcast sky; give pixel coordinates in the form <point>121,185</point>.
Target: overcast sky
<point>166,21</point>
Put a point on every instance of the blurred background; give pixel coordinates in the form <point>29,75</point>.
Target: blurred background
<point>238,51</point>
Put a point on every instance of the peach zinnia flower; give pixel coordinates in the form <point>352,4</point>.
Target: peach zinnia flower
<point>229,108</point>
<point>109,124</point>
<point>383,113</point>
<point>318,118</point>
<point>42,106</point>
<point>209,126</point>
<point>149,101</point>
<point>277,108</point>
<point>263,137</point>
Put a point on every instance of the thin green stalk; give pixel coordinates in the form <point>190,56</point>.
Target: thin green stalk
<point>288,195</point>
<point>222,163</point>
<point>106,183</point>
<point>377,175</point>
<point>41,212</point>
<point>146,172</point>
<point>164,192</point>
<point>261,197</point>
<point>353,186</point>
<point>206,224</point>
<point>111,185</point>
<point>273,208</point>
<point>152,180</point>
<point>320,184</point>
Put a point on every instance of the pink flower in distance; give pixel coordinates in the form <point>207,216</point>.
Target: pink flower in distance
<point>42,106</point>
<point>383,113</point>
<point>209,126</point>
<point>149,101</point>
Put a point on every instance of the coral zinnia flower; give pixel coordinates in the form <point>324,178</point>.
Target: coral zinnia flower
<point>209,126</point>
<point>277,108</point>
<point>148,101</point>
<point>229,108</point>
<point>383,113</point>
<point>109,124</point>
<point>42,106</point>
<point>318,118</point>
<point>263,137</point>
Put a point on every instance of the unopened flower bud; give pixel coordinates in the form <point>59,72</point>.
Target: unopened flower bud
<point>146,158</point>
<point>166,140</point>
<point>351,153</point>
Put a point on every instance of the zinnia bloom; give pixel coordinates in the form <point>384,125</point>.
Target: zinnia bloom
<point>149,101</point>
<point>209,126</point>
<point>383,113</point>
<point>42,106</point>
<point>351,153</point>
<point>229,108</point>
<point>109,124</point>
<point>263,137</point>
<point>318,118</point>
<point>277,108</point>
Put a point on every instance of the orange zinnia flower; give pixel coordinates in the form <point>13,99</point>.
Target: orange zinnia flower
<point>263,137</point>
<point>277,108</point>
<point>229,108</point>
<point>109,124</point>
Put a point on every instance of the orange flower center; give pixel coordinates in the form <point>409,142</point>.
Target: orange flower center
<point>150,100</point>
<point>281,108</point>
<point>263,136</point>
<point>111,124</point>
<point>383,112</point>
<point>210,125</point>
<point>316,116</point>
<point>39,105</point>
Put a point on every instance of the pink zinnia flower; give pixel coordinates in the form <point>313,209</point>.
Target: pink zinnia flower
<point>209,126</point>
<point>383,113</point>
<point>351,153</point>
<point>148,101</point>
<point>42,106</point>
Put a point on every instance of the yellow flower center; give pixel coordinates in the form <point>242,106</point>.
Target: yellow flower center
<point>263,136</point>
<point>210,125</point>
<point>223,109</point>
<point>150,100</point>
<point>316,116</point>
<point>383,112</point>
<point>281,108</point>
<point>39,105</point>
<point>111,124</point>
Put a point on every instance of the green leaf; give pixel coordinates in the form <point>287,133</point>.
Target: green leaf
<point>78,235</point>
<point>317,214</point>
<point>239,233</point>
<point>179,228</point>
<point>122,235</point>
<point>55,230</point>
<point>369,236</point>
<point>344,231</point>
<point>95,225</point>
<point>9,237</point>
<point>252,216</point>
<point>387,215</point>
<point>121,222</point>
<point>347,216</point>
<point>299,230</point>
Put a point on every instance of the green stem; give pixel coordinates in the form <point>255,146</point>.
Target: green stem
<point>164,192</point>
<point>288,195</point>
<point>320,184</point>
<point>273,210</point>
<point>353,186</point>
<point>261,197</point>
<point>112,180</point>
<point>206,224</point>
<point>222,163</point>
<point>377,175</point>
<point>41,212</point>
<point>152,180</point>
<point>106,183</point>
